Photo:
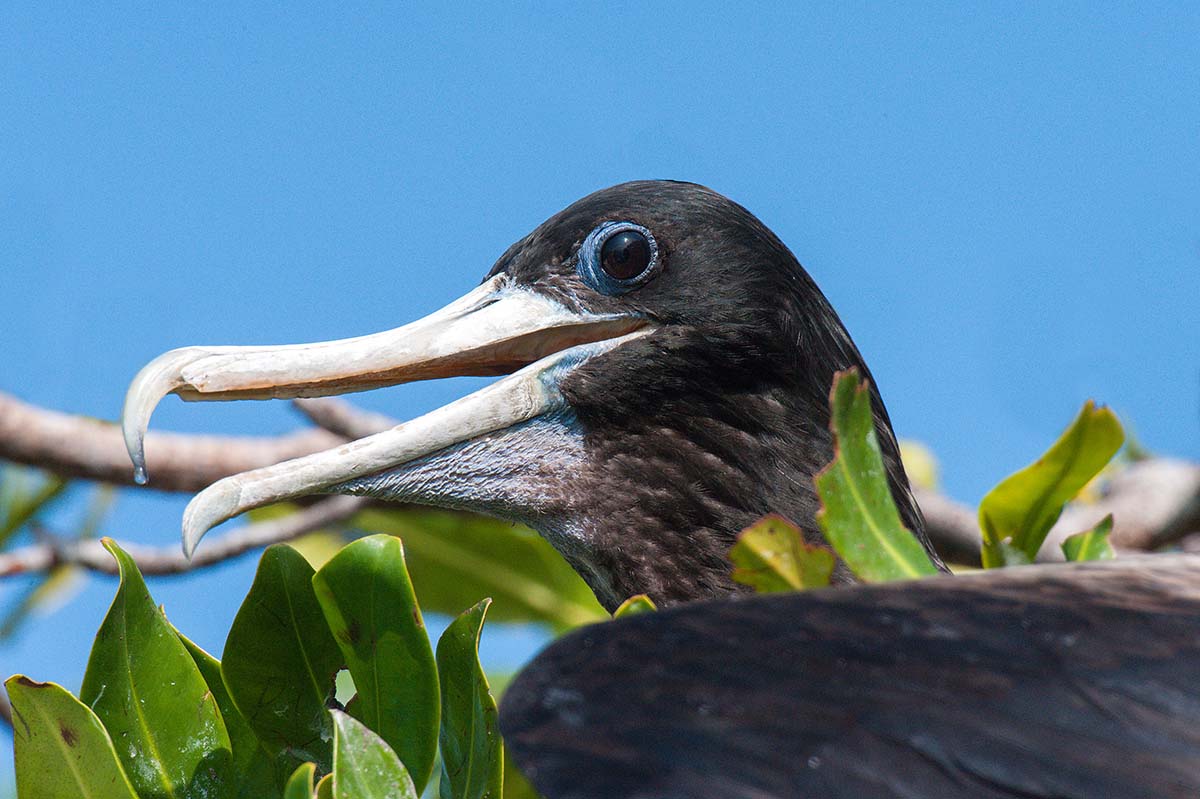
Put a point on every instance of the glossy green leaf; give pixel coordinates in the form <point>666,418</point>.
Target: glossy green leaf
<point>364,766</point>
<point>472,755</point>
<point>147,691</point>
<point>61,748</point>
<point>300,784</point>
<point>1091,544</point>
<point>1021,510</point>
<point>280,659</point>
<point>373,613</point>
<point>252,772</point>
<point>858,514</point>
<point>455,558</point>
<point>324,788</point>
<point>638,603</point>
<point>771,555</point>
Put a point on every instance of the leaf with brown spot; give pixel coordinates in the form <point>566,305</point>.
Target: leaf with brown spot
<point>771,555</point>
<point>61,747</point>
<point>369,604</point>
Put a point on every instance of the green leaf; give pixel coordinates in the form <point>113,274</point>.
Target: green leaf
<point>300,784</point>
<point>148,693</point>
<point>771,555</point>
<point>454,558</point>
<point>1021,510</point>
<point>372,611</point>
<point>61,582</point>
<point>516,785</point>
<point>638,603</point>
<point>1091,544</point>
<point>858,514</point>
<point>324,787</point>
<point>21,504</point>
<point>252,772</point>
<point>472,755</point>
<point>364,766</point>
<point>280,659</point>
<point>61,748</point>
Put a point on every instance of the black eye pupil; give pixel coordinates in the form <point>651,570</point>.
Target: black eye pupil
<point>625,255</point>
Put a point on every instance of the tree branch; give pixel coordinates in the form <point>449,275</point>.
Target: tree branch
<point>1149,499</point>
<point>78,446</point>
<point>952,527</point>
<point>343,419</point>
<point>162,560</point>
<point>1183,526</point>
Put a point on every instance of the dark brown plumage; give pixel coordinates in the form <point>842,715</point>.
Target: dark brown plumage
<point>1071,681</point>
<point>714,420</point>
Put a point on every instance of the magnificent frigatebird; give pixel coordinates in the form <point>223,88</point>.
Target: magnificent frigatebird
<point>672,366</point>
<point>668,364</point>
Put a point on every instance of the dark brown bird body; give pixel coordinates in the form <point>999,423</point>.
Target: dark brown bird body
<point>1077,681</point>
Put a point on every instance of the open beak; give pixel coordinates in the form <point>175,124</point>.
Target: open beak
<point>499,328</point>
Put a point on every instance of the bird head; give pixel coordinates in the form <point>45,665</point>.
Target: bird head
<point>666,364</point>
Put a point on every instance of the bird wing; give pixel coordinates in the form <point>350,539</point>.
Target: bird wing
<point>1072,680</point>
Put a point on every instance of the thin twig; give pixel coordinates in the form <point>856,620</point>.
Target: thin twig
<point>171,560</point>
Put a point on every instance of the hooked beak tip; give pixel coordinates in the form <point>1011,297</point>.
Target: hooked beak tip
<point>156,379</point>
<point>219,502</point>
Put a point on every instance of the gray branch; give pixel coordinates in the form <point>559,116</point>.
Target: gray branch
<point>1155,503</point>
<point>79,446</point>
<point>163,560</point>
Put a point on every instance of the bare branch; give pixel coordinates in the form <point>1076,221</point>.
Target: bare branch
<point>1149,499</point>
<point>162,560</point>
<point>343,419</point>
<point>952,527</point>
<point>1184,526</point>
<point>78,446</point>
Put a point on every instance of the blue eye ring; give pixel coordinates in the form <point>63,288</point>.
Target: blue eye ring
<point>589,259</point>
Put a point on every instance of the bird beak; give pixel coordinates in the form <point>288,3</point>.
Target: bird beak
<point>499,328</point>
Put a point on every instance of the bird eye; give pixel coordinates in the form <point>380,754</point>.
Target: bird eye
<point>617,257</point>
<point>625,255</point>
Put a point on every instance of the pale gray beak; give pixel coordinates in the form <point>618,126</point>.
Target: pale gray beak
<point>495,329</point>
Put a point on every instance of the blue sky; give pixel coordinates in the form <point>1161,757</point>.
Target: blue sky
<point>1001,202</point>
